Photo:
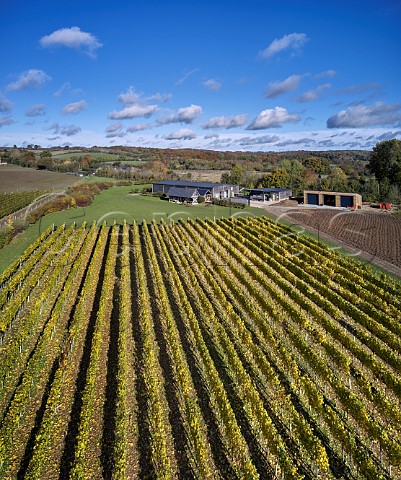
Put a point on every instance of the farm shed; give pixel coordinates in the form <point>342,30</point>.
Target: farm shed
<point>268,194</point>
<point>183,195</point>
<point>332,199</point>
<point>208,190</point>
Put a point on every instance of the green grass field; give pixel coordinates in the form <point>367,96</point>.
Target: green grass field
<point>118,204</point>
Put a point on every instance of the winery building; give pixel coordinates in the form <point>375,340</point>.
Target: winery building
<point>332,199</point>
<point>266,194</point>
<point>181,190</point>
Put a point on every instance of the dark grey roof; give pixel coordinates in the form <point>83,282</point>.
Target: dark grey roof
<point>267,190</point>
<point>184,183</point>
<point>182,192</point>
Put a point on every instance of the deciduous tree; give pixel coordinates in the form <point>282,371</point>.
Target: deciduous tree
<point>279,178</point>
<point>296,174</point>
<point>337,181</point>
<point>385,161</point>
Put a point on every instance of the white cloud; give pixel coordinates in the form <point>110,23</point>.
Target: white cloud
<point>133,111</point>
<point>326,74</point>
<point>182,134</point>
<point>300,141</point>
<point>139,127</point>
<point>183,115</point>
<point>5,105</point>
<point>389,135</point>
<point>360,115</point>
<point>136,105</point>
<point>363,88</point>
<point>131,97</point>
<point>36,110</point>
<point>274,89</point>
<point>226,122</point>
<point>294,41</point>
<point>272,118</point>
<point>115,130</point>
<point>340,139</point>
<point>327,144</point>
<point>186,76</point>
<point>72,38</point>
<point>258,140</point>
<point>6,121</point>
<point>220,144</point>
<point>30,79</point>
<point>68,130</point>
<point>313,95</point>
<point>67,88</point>
<point>161,97</point>
<point>212,84</point>
<point>188,114</point>
<point>74,108</point>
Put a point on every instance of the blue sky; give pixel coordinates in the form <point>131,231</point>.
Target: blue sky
<point>249,75</point>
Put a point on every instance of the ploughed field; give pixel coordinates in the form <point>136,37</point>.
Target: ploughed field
<point>231,349</point>
<point>377,233</point>
<point>15,178</point>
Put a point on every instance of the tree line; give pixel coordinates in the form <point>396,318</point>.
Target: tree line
<point>378,178</point>
<point>376,175</point>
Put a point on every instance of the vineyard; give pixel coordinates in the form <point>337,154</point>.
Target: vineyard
<point>11,202</point>
<point>233,349</point>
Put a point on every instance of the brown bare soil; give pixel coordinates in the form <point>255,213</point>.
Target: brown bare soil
<point>374,235</point>
<point>14,178</point>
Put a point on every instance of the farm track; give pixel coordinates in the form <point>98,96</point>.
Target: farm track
<point>228,350</point>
